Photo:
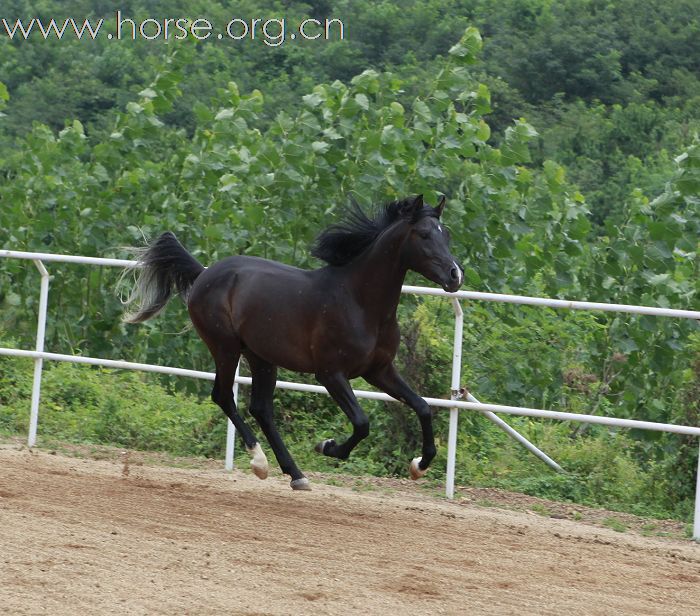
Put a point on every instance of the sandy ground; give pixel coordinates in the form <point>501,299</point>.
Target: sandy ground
<point>82,537</point>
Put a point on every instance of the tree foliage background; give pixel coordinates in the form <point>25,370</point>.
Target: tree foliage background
<point>564,135</point>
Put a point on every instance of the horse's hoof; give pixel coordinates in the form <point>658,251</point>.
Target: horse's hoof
<point>416,471</point>
<point>258,463</point>
<point>321,447</point>
<point>300,484</point>
<point>259,471</point>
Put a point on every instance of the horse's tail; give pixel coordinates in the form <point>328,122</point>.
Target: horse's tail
<point>164,265</point>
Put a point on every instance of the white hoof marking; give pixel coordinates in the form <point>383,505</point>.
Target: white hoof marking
<point>322,445</point>
<point>416,471</point>
<point>300,484</point>
<point>258,462</point>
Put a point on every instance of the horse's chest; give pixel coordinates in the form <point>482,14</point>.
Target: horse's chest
<point>368,349</point>
<point>352,341</point>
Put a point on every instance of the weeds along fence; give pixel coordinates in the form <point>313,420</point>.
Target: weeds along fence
<point>455,404</point>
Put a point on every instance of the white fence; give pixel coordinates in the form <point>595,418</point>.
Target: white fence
<point>454,404</point>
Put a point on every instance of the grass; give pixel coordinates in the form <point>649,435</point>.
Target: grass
<point>615,524</point>
<point>386,486</point>
<point>541,510</point>
<point>362,486</point>
<point>103,408</point>
<point>485,502</point>
<point>332,481</point>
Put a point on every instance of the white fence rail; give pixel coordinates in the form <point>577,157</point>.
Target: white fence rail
<point>454,404</point>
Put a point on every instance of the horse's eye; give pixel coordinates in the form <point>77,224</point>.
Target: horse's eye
<point>423,235</point>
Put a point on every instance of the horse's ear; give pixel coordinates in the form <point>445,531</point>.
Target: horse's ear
<point>440,206</point>
<point>410,208</point>
<point>416,206</point>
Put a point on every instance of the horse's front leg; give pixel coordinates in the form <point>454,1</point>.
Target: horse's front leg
<point>340,390</point>
<point>389,381</point>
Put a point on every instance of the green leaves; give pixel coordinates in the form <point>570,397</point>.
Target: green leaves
<point>237,184</point>
<point>514,149</point>
<point>688,176</point>
<point>241,182</point>
<point>367,82</point>
<point>468,47</point>
<point>4,97</point>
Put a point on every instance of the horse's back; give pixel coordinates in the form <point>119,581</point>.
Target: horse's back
<point>238,263</point>
<point>255,301</point>
<point>247,279</point>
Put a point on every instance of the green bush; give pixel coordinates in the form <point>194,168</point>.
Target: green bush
<point>615,469</point>
<point>80,403</point>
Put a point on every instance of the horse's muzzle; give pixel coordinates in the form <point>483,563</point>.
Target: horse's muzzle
<point>455,279</point>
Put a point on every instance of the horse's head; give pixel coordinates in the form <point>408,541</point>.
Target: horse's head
<point>426,249</point>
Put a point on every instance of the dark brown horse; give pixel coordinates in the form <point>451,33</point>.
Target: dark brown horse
<point>337,322</point>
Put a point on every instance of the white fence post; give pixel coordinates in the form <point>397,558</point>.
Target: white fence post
<point>454,413</point>
<point>39,361</point>
<point>230,428</point>
<point>492,417</point>
<point>696,517</point>
<point>454,404</point>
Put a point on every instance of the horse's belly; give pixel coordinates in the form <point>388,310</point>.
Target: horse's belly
<point>277,340</point>
<point>282,355</point>
<point>300,349</point>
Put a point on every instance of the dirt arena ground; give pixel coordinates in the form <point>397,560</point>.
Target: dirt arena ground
<point>82,536</point>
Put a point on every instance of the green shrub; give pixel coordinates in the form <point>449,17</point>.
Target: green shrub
<point>616,469</point>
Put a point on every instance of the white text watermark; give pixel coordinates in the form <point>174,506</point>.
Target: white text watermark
<point>270,31</point>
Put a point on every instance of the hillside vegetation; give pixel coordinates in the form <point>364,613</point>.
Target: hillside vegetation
<point>564,135</point>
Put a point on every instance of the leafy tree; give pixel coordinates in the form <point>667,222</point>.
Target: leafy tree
<point>233,170</point>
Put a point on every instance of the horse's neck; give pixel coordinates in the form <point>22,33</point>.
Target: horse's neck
<point>377,275</point>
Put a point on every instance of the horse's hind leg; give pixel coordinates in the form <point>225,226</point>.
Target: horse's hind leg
<point>226,362</point>
<point>261,407</point>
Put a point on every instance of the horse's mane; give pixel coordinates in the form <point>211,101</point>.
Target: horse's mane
<point>342,242</point>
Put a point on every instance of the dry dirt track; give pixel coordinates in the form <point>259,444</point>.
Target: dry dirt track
<point>76,537</point>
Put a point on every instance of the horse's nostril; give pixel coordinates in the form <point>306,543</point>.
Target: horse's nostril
<point>454,273</point>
